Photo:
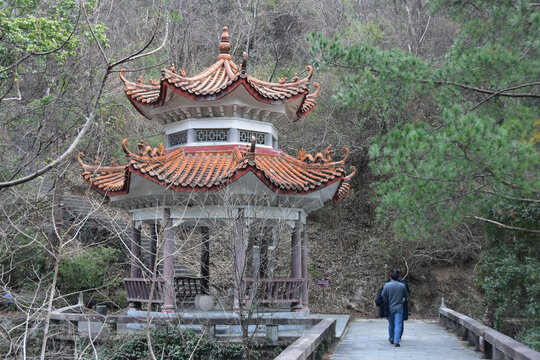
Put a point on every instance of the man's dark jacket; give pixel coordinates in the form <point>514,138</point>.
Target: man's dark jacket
<point>384,304</point>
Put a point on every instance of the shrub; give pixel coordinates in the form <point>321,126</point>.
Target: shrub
<point>172,345</point>
<point>530,336</point>
<point>509,272</point>
<point>94,268</point>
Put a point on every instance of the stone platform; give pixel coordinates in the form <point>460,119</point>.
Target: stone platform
<point>223,330</point>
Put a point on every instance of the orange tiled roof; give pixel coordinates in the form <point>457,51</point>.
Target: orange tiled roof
<point>219,79</point>
<point>187,170</point>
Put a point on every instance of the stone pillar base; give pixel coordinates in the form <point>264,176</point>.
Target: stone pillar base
<point>204,302</point>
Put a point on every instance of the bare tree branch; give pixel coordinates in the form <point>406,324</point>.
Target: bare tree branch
<point>141,50</point>
<point>512,198</point>
<point>499,93</point>
<point>502,92</point>
<point>95,38</point>
<point>503,225</point>
<point>159,47</point>
<point>71,148</point>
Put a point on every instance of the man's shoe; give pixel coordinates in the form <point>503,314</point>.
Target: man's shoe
<point>391,342</point>
<point>397,345</point>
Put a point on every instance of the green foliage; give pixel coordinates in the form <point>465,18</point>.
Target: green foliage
<point>452,149</point>
<point>277,350</point>
<point>87,270</point>
<point>509,277</point>
<point>29,27</point>
<point>172,344</point>
<point>441,164</point>
<point>380,81</point>
<point>119,297</point>
<point>531,337</point>
<point>509,272</point>
<point>26,30</point>
<point>440,177</point>
<point>510,282</point>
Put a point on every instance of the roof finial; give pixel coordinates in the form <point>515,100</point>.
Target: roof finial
<point>224,45</point>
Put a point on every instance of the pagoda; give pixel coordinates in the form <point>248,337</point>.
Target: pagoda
<point>220,144</point>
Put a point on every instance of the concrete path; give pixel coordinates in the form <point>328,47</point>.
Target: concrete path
<point>422,340</point>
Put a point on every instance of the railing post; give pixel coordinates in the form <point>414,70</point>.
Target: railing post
<point>463,332</point>
<point>272,333</point>
<point>208,330</point>
<point>471,339</point>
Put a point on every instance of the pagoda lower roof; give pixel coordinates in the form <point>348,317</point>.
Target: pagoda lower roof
<point>211,168</point>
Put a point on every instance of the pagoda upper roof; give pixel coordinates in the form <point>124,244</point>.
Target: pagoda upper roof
<point>207,169</point>
<point>220,79</point>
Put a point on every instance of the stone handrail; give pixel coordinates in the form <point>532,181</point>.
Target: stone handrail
<point>308,343</point>
<point>492,343</point>
<point>208,324</point>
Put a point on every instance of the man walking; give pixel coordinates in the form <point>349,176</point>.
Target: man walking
<point>395,293</point>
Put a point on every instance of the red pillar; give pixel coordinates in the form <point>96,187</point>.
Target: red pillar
<point>169,301</point>
<point>135,258</point>
<point>205,258</point>
<point>239,258</point>
<point>296,258</point>
<point>135,249</point>
<point>153,246</point>
<point>305,287</point>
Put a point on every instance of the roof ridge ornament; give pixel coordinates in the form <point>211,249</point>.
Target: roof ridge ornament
<point>243,66</point>
<point>345,186</point>
<point>224,45</point>
<point>251,150</point>
<point>320,157</point>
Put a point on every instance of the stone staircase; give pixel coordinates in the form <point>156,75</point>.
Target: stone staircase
<point>179,269</point>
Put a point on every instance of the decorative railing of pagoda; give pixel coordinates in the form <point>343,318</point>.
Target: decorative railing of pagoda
<point>275,290</point>
<point>138,289</point>
<point>187,287</point>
